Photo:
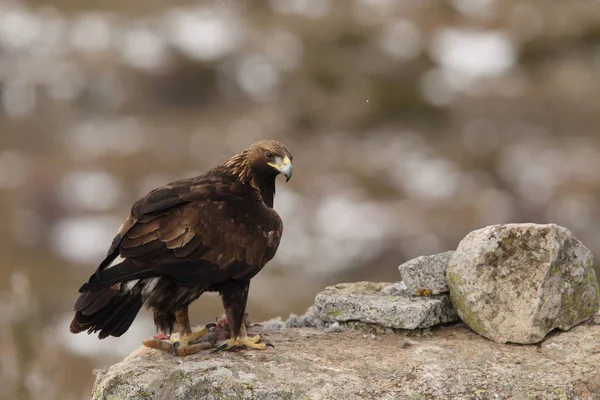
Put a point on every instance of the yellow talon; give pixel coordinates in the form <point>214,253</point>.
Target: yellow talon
<point>255,339</point>
<point>249,342</point>
<point>194,336</point>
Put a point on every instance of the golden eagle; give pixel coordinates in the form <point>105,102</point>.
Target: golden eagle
<point>213,232</point>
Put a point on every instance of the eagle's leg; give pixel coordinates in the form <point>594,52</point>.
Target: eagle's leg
<point>186,344</point>
<point>234,295</point>
<point>186,335</point>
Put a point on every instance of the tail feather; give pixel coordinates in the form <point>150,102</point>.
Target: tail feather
<point>107,310</point>
<point>105,318</point>
<point>125,321</point>
<point>93,301</point>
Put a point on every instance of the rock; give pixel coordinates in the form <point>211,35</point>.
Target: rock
<point>451,363</point>
<point>365,302</point>
<point>517,282</point>
<point>395,289</point>
<point>426,274</point>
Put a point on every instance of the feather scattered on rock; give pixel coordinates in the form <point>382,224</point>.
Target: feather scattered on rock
<point>310,319</point>
<point>274,324</point>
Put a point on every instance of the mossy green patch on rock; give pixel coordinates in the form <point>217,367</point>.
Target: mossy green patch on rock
<point>453,278</point>
<point>462,307</point>
<point>466,313</point>
<point>560,394</point>
<point>583,302</point>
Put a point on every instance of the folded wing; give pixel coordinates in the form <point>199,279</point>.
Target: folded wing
<point>193,232</point>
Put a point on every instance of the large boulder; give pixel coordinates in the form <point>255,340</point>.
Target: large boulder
<point>370,303</point>
<point>426,274</point>
<point>517,282</point>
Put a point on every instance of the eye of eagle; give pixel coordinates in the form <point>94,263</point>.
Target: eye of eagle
<point>270,156</point>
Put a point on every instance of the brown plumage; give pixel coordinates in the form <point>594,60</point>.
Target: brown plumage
<point>213,232</point>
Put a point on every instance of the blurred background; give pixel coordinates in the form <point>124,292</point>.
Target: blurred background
<point>411,122</point>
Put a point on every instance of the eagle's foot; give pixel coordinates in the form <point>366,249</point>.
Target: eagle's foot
<point>255,339</point>
<point>196,335</point>
<point>254,342</point>
<point>179,350</point>
<point>185,346</point>
<point>176,348</point>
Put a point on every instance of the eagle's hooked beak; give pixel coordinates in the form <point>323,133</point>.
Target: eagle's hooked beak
<point>283,165</point>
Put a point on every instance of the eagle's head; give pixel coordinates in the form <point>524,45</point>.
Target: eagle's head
<point>271,157</point>
<point>262,161</point>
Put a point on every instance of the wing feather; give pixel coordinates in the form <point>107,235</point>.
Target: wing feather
<point>167,236</point>
<point>172,222</point>
<point>189,248</point>
<point>195,231</point>
<point>141,229</point>
<point>129,242</point>
<point>181,240</point>
<point>143,250</point>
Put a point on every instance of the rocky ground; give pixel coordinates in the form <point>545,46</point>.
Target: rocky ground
<point>401,340</point>
<point>448,362</point>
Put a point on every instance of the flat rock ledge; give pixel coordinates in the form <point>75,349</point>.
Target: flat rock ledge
<point>370,303</point>
<point>451,362</point>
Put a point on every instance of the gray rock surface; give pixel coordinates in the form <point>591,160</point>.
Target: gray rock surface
<point>451,363</point>
<point>367,302</point>
<point>395,289</point>
<point>426,274</point>
<point>517,282</point>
